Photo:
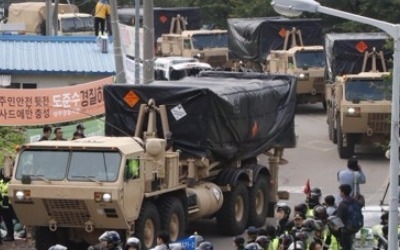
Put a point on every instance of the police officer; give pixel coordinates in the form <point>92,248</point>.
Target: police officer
<point>133,243</point>
<point>282,213</point>
<point>109,240</point>
<point>7,211</point>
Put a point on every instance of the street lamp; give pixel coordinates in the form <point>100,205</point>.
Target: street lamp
<point>295,8</point>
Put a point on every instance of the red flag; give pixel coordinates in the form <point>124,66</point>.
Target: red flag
<point>307,188</point>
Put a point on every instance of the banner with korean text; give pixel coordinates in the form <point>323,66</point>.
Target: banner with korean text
<point>29,107</point>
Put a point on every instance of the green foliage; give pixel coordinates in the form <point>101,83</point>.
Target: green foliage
<point>9,138</point>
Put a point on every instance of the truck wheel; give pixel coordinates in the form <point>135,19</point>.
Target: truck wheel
<point>347,151</point>
<point>147,225</point>
<point>330,123</point>
<point>334,129</point>
<point>258,194</point>
<point>173,217</point>
<point>44,238</point>
<point>233,216</point>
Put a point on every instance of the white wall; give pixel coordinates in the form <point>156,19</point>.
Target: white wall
<point>51,81</point>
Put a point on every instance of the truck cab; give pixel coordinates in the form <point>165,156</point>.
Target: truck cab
<point>175,68</point>
<point>307,63</point>
<point>209,46</point>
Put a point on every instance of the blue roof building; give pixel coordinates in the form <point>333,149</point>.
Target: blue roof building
<point>52,61</point>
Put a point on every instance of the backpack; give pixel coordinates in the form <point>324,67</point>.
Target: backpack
<point>355,218</point>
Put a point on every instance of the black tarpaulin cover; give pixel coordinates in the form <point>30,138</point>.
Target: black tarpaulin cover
<point>253,38</point>
<point>222,117</point>
<point>345,52</point>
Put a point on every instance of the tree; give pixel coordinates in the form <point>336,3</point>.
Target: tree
<point>10,138</point>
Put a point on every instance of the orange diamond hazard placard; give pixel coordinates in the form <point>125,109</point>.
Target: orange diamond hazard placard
<point>361,47</point>
<point>282,32</point>
<point>131,98</point>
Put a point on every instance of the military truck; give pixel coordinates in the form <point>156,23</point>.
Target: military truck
<point>359,94</point>
<point>209,46</point>
<point>281,45</point>
<point>175,151</point>
<point>33,15</point>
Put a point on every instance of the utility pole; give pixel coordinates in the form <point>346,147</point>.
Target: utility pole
<point>118,57</point>
<point>137,41</point>
<point>49,18</point>
<point>148,46</point>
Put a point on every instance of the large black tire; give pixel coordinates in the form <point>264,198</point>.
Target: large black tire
<point>345,151</point>
<point>173,217</point>
<point>147,225</point>
<point>233,216</point>
<point>44,238</point>
<point>259,201</point>
<point>330,123</point>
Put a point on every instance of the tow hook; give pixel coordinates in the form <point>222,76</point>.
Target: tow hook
<point>53,225</point>
<point>88,226</point>
<point>313,92</point>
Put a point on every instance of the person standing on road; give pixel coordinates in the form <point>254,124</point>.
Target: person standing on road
<point>101,11</point>
<point>163,240</point>
<point>352,176</point>
<point>282,213</point>
<point>346,237</point>
<point>46,133</point>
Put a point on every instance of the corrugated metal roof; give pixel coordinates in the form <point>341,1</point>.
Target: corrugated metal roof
<point>54,54</point>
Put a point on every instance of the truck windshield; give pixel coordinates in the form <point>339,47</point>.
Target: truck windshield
<point>367,90</point>
<point>74,165</point>
<point>212,40</point>
<point>310,59</point>
<point>77,24</point>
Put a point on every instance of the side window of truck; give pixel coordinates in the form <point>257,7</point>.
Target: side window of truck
<point>132,169</point>
<point>186,44</point>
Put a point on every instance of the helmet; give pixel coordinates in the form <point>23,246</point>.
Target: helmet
<point>252,246</point>
<point>58,247</point>
<point>284,207</point>
<point>133,242</point>
<point>301,208</point>
<point>285,240</point>
<point>320,212</point>
<point>316,192</point>
<point>111,237</point>
<point>270,231</point>
<point>309,224</point>
<point>298,245</point>
<point>263,241</point>
<point>205,245</point>
<point>199,239</point>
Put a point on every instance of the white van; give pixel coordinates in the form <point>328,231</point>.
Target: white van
<point>176,68</point>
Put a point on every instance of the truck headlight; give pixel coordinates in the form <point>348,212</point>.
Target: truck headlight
<point>107,197</point>
<point>102,197</point>
<point>353,111</point>
<point>20,195</point>
<point>303,76</point>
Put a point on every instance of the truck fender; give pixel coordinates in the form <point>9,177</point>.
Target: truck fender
<point>259,170</point>
<point>232,176</point>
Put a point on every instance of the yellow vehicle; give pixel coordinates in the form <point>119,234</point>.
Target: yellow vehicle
<point>69,192</point>
<point>359,105</point>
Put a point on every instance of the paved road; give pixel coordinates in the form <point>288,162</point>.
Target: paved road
<point>315,158</point>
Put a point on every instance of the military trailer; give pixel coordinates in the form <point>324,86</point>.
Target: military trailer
<point>281,45</point>
<point>359,94</point>
<point>175,151</point>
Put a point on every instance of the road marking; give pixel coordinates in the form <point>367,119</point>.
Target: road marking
<point>319,145</point>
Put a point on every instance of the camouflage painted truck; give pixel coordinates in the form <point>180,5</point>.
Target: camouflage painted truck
<point>281,45</point>
<point>359,93</point>
<point>174,152</point>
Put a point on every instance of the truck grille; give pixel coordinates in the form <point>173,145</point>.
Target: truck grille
<point>319,84</point>
<point>379,122</point>
<point>67,212</point>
